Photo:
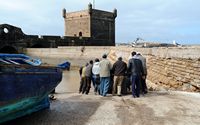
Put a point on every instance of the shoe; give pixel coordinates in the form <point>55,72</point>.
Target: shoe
<point>52,97</point>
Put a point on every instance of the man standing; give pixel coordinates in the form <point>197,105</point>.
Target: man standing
<point>96,77</point>
<point>137,72</point>
<point>143,59</point>
<point>105,67</point>
<point>83,79</point>
<point>119,69</point>
<point>88,76</point>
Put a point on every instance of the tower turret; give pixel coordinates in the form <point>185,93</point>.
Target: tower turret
<point>90,8</point>
<point>64,13</point>
<point>115,13</point>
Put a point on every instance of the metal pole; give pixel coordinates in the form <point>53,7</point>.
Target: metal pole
<point>94,3</point>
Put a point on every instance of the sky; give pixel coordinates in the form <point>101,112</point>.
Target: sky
<point>152,20</point>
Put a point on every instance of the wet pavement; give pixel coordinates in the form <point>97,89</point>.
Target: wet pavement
<point>155,108</point>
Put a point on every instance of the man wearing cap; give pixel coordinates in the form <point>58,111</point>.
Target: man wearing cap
<point>119,69</point>
<point>105,67</point>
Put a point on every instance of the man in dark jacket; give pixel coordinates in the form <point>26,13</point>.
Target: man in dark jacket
<point>119,69</point>
<point>88,76</point>
<point>143,81</point>
<point>137,73</point>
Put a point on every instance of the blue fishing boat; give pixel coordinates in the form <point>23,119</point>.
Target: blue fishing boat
<point>64,65</point>
<point>19,59</point>
<point>24,89</point>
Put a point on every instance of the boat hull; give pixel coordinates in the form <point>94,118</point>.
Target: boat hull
<point>23,107</point>
<point>25,89</point>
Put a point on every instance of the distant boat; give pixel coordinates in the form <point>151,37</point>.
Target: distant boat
<point>24,89</point>
<point>64,65</point>
<point>19,59</point>
<point>175,43</point>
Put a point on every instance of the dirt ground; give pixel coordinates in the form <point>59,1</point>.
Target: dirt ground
<point>154,108</point>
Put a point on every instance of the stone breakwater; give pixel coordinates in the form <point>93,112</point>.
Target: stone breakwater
<point>168,68</point>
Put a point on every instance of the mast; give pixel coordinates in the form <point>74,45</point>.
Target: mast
<point>94,4</point>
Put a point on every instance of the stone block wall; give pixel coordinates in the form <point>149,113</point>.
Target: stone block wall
<point>96,24</point>
<point>168,68</point>
<point>78,23</point>
<point>54,56</point>
<point>174,73</point>
<point>103,25</point>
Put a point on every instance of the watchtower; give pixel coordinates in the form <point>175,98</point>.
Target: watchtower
<point>96,24</point>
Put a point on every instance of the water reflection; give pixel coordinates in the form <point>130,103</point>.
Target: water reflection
<point>70,82</point>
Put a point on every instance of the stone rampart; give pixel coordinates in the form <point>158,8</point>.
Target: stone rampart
<point>169,68</point>
<point>78,56</point>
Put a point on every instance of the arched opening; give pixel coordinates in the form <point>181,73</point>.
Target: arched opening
<point>80,34</point>
<point>8,49</point>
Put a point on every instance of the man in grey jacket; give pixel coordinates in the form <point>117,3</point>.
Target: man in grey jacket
<point>88,76</point>
<point>143,81</point>
<point>137,73</point>
<point>105,68</point>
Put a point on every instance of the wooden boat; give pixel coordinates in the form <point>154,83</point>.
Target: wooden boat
<point>64,65</point>
<point>19,59</point>
<point>24,89</point>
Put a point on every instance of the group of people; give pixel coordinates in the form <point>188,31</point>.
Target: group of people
<point>110,78</point>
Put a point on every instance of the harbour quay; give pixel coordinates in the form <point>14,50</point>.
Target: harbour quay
<point>163,104</point>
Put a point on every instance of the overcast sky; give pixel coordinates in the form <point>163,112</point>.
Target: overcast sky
<point>152,20</point>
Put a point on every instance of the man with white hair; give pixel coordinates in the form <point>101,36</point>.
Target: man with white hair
<point>136,69</point>
<point>143,81</point>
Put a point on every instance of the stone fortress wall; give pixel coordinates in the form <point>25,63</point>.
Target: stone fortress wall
<point>175,68</point>
<point>170,68</point>
<point>76,22</point>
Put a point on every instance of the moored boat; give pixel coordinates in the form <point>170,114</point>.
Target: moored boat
<point>24,89</point>
<point>64,65</point>
<point>19,59</point>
